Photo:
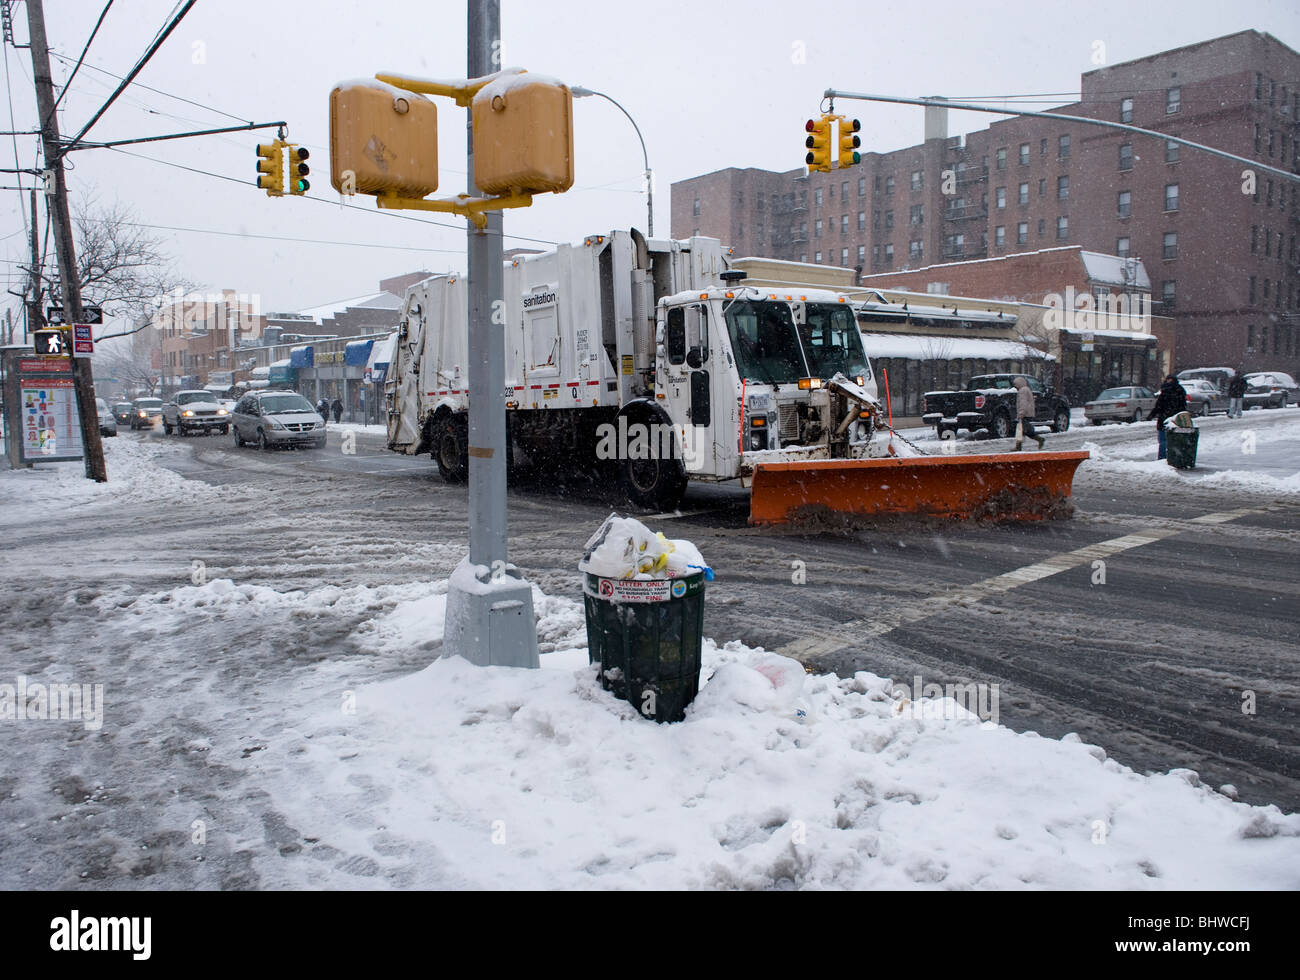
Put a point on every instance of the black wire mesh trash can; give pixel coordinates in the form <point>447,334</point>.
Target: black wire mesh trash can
<point>646,635</point>
<point>1180,447</point>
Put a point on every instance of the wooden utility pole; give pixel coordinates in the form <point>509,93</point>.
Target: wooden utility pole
<point>34,319</point>
<point>56,194</point>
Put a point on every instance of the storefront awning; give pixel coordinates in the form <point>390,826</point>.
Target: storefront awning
<point>301,357</point>
<point>282,372</point>
<point>932,348</point>
<point>1131,336</point>
<point>357,353</point>
<point>260,373</point>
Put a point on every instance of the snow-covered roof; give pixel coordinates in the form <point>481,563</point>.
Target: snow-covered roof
<point>922,348</point>
<point>371,301</point>
<point>280,364</point>
<point>1115,271</point>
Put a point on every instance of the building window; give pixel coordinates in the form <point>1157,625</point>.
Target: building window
<point>1063,188</point>
<point>1024,154</point>
<point>1269,202</point>
<point>696,211</point>
<point>1062,228</point>
<point>1000,236</point>
<point>817,257</point>
<point>1042,227</point>
<point>914,250</point>
<point>862,254</point>
<point>1126,110</point>
<point>1268,244</point>
<point>1173,100</point>
<point>1254,239</point>
<point>875,254</point>
<point>889,185</point>
<point>1266,289</point>
<point>844,224</point>
<point>875,220</point>
<point>889,252</point>
<point>844,190</point>
<point>1252,290</point>
<point>1126,156</point>
<point>1022,233</point>
<point>1171,197</point>
<point>1122,247</point>
<point>1000,197</point>
<point>1023,193</point>
<point>862,221</point>
<point>862,187</point>
<point>1167,292</point>
<point>916,180</point>
<point>830,192</point>
<point>1171,151</point>
<point>1042,147</point>
<point>889,221</point>
<point>1063,147</point>
<point>1042,187</point>
<point>1259,85</point>
<point>1250,336</point>
<point>1171,245</point>
<point>1002,159</point>
<point>1125,207</point>
<point>817,228</point>
<point>817,197</point>
<point>917,216</point>
<point>875,183</point>
<point>844,256</point>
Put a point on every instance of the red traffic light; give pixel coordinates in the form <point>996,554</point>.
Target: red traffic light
<point>810,125</point>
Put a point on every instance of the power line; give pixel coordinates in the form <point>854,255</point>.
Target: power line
<point>68,84</point>
<point>139,66</point>
<point>279,238</point>
<point>178,98</point>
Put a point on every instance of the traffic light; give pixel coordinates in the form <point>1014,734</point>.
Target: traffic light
<point>270,167</point>
<point>849,142</point>
<point>818,144</point>
<point>298,170</point>
<point>50,343</point>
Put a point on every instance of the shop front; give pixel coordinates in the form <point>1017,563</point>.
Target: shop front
<point>1094,360</point>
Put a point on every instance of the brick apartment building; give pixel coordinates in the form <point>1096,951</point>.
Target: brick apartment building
<point>1222,263</point>
<point>198,332</point>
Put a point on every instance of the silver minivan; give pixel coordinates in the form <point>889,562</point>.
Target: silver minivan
<point>277,418</point>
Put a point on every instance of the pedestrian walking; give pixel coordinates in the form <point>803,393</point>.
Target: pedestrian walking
<point>323,409</point>
<point>338,410</point>
<point>1171,400</point>
<point>1025,412</point>
<point>1236,391</point>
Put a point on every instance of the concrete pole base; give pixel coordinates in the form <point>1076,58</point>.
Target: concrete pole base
<point>490,621</point>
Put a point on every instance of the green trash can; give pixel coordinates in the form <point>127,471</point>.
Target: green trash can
<point>646,635</point>
<point>1180,447</point>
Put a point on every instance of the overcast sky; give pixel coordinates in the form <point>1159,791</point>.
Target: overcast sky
<point>711,85</point>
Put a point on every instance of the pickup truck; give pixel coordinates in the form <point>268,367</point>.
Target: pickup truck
<point>989,402</point>
<point>196,411</point>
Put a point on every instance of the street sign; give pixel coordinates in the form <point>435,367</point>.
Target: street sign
<point>54,315</point>
<point>83,342</point>
<point>50,343</point>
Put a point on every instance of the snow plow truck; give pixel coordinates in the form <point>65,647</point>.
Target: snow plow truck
<point>656,361</point>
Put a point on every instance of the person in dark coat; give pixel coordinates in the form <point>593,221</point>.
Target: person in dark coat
<point>1026,406</point>
<point>323,409</point>
<point>1236,392</point>
<point>338,410</point>
<point>1171,400</point>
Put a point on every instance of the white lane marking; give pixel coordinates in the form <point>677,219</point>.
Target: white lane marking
<point>845,634</point>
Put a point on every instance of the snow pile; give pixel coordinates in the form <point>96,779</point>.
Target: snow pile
<point>1126,460</point>
<point>458,776</point>
<point>134,476</point>
<point>624,548</point>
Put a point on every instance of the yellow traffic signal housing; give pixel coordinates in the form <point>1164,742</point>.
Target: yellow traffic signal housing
<point>298,169</point>
<point>849,142</point>
<point>270,167</point>
<point>383,140</point>
<point>523,135</point>
<point>818,144</point>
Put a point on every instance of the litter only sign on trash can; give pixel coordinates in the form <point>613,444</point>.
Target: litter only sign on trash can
<point>646,631</point>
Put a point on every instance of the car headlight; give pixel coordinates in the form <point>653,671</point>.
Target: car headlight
<point>222,411</point>
<point>187,413</point>
<point>143,414</point>
<point>276,423</point>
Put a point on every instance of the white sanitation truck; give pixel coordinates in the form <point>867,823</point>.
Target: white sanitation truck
<point>649,358</point>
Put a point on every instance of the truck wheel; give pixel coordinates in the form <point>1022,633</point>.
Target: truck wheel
<point>1001,427</point>
<point>654,484</point>
<point>451,448</point>
<point>1062,422</point>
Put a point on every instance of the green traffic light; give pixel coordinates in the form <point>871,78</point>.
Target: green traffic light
<point>302,186</point>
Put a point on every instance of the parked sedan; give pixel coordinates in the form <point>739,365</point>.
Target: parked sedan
<point>122,412</point>
<point>1270,389</point>
<point>107,423</point>
<point>1120,405</point>
<point>1204,397</point>
<point>277,418</point>
<point>146,413</point>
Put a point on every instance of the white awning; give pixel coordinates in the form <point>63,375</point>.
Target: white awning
<point>933,348</point>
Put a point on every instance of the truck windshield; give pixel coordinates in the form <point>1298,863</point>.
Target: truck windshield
<point>831,341</point>
<point>765,343</point>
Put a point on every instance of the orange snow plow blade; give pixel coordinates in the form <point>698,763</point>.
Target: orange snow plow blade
<point>992,486</point>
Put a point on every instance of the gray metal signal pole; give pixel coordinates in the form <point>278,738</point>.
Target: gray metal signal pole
<point>493,626</point>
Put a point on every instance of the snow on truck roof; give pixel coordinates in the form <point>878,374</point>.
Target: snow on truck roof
<point>742,291</point>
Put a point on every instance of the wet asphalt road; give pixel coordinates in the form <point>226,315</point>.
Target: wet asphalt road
<point>1181,651</point>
